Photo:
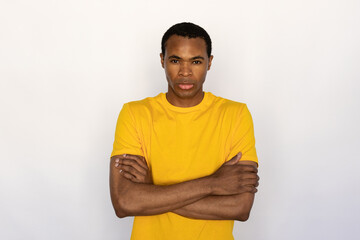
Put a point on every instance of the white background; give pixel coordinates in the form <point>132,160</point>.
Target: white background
<point>67,67</point>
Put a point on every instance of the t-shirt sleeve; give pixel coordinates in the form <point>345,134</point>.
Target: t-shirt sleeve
<point>243,139</point>
<point>126,135</point>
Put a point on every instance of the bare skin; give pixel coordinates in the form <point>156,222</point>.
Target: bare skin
<point>133,168</point>
<point>185,62</point>
<point>232,186</point>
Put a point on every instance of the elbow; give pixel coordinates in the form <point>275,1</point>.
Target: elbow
<point>243,213</point>
<point>126,208</point>
<point>120,213</point>
<point>244,207</point>
<point>120,210</point>
<point>243,217</point>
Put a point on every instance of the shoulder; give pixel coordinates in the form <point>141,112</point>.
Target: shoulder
<point>227,105</point>
<point>143,104</point>
<point>144,107</point>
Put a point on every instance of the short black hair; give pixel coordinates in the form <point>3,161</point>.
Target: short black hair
<point>187,29</point>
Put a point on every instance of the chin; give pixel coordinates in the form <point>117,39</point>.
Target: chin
<point>186,94</point>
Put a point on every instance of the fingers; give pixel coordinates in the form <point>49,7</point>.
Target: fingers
<point>249,179</point>
<point>133,167</point>
<point>129,176</point>
<point>130,169</point>
<point>122,163</point>
<point>249,188</point>
<point>240,168</point>
<point>140,160</point>
<point>250,182</point>
<point>246,168</point>
<point>234,160</point>
<point>244,176</point>
<point>135,161</point>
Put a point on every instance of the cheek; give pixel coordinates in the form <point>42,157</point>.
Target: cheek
<point>171,71</point>
<point>201,72</point>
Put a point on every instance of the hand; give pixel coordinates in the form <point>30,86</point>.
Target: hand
<point>134,168</point>
<point>235,178</point>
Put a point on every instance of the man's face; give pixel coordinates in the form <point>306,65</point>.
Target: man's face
<point>186,63</point>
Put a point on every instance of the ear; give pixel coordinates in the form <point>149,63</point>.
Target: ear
<point>162,59</point>
<point>210,60</point>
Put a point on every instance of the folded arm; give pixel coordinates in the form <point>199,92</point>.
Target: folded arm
<point>233,207</point>
<point>134,199</point>
<point>232,186</point>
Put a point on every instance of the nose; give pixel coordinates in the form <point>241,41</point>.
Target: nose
<point>185,69</point>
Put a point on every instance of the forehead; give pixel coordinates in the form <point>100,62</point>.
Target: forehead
<point>179,45</point>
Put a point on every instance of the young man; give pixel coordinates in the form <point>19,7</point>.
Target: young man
<point>184,163</point>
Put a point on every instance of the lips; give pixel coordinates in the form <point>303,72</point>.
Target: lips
<point>186,86</point>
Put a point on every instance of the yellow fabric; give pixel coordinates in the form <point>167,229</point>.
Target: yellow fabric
<point>181,144</point>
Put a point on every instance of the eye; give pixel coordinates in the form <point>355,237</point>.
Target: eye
<point>174,61</point>
<point>196,62</point>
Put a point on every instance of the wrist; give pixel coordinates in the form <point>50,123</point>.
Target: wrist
<point>210,185</point>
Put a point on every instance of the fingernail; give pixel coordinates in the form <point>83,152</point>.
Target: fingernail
<point>117,160</point>
<point>124,155</point>
<point>120,170</point>
<point>116,164</point>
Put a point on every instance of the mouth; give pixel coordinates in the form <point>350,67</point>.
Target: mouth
<point>186,86</point>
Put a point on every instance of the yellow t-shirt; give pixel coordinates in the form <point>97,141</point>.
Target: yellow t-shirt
<point>181,144</point>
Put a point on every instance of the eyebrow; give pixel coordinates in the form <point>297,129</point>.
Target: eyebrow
<point>193,58</point>
<point>174,56</point>
<point>197,57</point>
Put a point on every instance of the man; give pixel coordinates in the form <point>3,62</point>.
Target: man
<point>184,163</point>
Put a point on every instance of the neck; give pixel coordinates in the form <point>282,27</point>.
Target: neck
<point>184,101</point>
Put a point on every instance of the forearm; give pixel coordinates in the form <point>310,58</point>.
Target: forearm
<point>233,207</point>
<point>230,207</point>
<point>137,199</point>
<point>131,196</point>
